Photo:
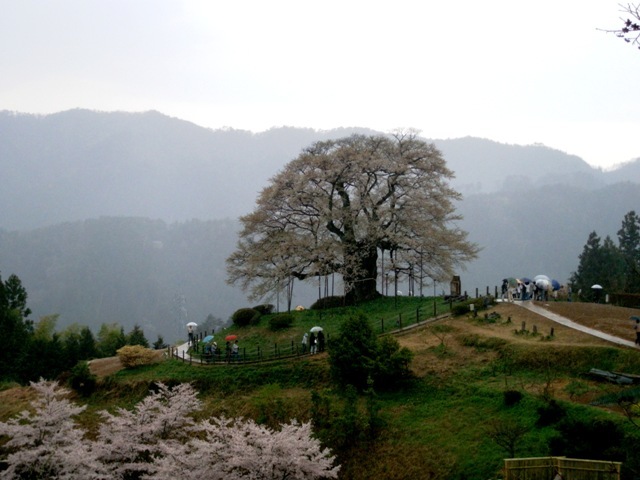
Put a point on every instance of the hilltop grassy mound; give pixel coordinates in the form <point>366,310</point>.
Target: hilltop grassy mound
<point>472,376</point>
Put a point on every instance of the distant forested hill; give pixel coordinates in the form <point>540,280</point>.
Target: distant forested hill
<point>82,164</point>
<point>127,271</point>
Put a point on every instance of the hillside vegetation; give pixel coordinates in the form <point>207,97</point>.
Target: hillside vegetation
<point>484,389</point>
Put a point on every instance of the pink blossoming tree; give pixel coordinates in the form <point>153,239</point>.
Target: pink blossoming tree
<point>45,443</point>
<point>157,439</point>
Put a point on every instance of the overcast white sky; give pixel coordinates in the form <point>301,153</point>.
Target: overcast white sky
<point>514,72</point>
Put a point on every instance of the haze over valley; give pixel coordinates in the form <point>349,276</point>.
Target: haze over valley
<point>129,217</point>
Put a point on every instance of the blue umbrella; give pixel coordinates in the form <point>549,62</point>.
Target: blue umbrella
<point>208,338</point>
<point>555,284</point>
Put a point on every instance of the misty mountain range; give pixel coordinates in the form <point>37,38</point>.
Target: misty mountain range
<point>128,217</point>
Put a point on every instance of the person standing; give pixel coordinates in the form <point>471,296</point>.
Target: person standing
<point>636,327</point>
<point>320,341</point>
<point>235,352</point>
<point>191,336</point>
<point>305,342</point>
<point>312,343</point>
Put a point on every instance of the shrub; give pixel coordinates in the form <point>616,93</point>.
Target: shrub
<point>329,302</point>
<point>392,365</point>
<point>550,413</point>
<point>357,356</point>
<point>280,321</point>
<point>481,303</point>
<point>82,380</point>
<point>352,352</point>
<point>264,309</point>
<point>132,356</point>
<point>482,344</point>
<point>512,397</point>
<point>595,439</point>
<point>245,316</point>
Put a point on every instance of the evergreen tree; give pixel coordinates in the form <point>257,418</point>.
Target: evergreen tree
<point>589,268</point>
<point>136,337</point>
<point>110,339</point>
<point>159,343</point>
<point>87,344</point>
<point>357,357</point>
<point>353,352</point>
<point>15,329</point>
<point>629,242</point>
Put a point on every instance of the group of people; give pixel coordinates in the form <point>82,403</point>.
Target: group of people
<point>523,291</point>
<point>231,353</point>
<point>313,343</point>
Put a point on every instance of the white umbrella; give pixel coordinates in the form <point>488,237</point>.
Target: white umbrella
<point>541,277</point>
<point>316,329</point>
<point>192,324</point>
<point>596,287</point>
<point>543,283</point>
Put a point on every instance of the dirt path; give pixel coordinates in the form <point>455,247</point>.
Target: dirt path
<point>540,310</point>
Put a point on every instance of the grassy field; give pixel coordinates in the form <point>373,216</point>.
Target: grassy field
<point>442,425</point>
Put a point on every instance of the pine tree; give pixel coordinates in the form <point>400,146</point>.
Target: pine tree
<point>629,242</point>
<point>136,337</point>
<point>588,272</point>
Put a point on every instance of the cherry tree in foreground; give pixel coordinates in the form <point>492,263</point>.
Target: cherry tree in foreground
<point>130,441</point>
<point>243,449</point>
<point>157,439</point>
<point>45,443</point>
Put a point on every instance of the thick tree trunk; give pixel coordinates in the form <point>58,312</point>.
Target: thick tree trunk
<point>361,282</point>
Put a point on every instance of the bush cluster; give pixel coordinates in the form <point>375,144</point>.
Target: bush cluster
<point>244,317</point>
<point>329,302</point>
<point>132,356</point>
<point>357,356</point>
<point>82,380</point>
<point>265,308</point>
<point>280,321</point>
<point>481,303</point>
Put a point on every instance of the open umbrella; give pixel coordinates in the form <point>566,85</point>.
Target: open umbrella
<point>316,329</point>
<point>513,282</point>
<point>207,339</point>
<point>525,280</point>
<point>555,284</point>
<point>635,317</point>
<point>230,338</point>
<point>192,324</point>
<point>596,287</point>
<point>542,283</point>
<point>541,277</point>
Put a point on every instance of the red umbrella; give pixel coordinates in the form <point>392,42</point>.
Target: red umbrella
<point>230,338</point>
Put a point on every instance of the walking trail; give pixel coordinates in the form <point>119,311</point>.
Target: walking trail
<point>182,351</point>
<point>571,324</point>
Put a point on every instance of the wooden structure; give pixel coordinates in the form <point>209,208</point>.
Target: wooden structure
<point>560,468</point>
<point>456,286</point>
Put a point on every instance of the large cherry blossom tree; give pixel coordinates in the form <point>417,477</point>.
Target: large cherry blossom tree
<point>340,204</point>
